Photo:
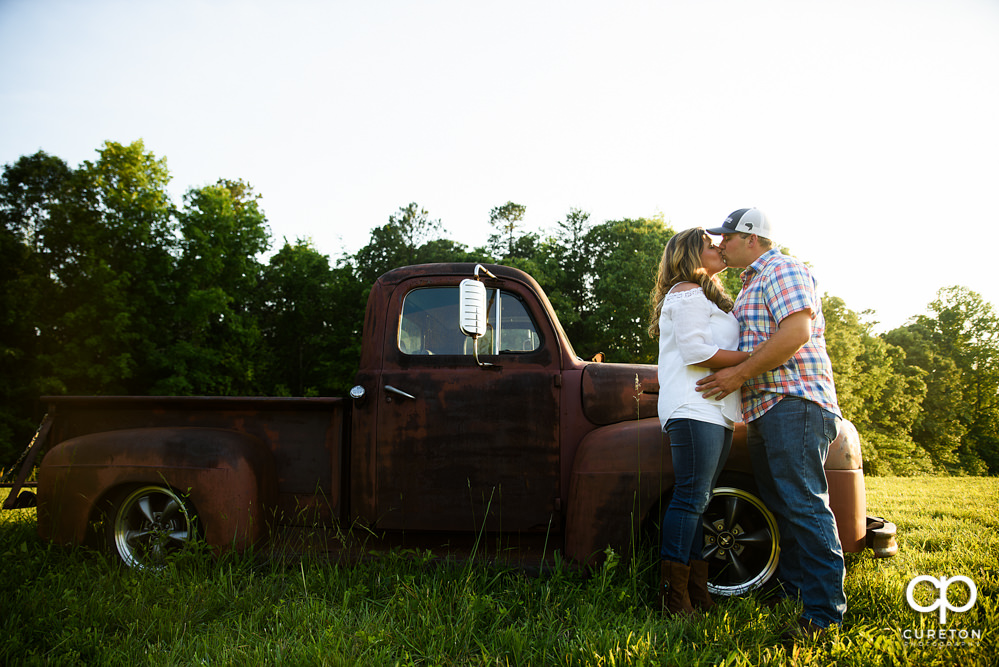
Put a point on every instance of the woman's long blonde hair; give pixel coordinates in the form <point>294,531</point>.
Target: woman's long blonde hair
<point>681,263</point>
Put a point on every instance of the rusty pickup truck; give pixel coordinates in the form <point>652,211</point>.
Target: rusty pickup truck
<point>471,415</point>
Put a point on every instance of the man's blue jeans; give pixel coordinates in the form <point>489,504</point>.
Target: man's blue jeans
<point>699,451</point>
<point>788,447</point>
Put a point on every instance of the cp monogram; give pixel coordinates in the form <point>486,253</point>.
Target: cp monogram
<point>942,602</point>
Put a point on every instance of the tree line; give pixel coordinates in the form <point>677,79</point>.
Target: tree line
<point>107,287</point>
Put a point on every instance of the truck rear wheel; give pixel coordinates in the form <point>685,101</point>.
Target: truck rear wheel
<point>742,542</point>
<point>146,524</point>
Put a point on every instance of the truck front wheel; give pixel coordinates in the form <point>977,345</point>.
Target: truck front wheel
<point>741,541</point>
<point>146,524</point>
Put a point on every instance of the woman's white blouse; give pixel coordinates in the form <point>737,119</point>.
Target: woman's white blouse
<point>691,330</point>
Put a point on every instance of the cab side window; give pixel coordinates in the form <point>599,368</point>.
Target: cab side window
<point>429,324</point>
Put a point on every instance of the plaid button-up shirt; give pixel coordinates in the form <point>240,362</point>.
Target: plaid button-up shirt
<point>773,287</point>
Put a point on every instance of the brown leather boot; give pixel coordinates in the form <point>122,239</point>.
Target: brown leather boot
<point>697,586</point>
<point>673,589</point>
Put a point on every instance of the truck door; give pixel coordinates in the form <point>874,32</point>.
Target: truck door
<point>462,446</point>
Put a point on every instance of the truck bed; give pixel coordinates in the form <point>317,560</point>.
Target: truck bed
<point>307,437</point>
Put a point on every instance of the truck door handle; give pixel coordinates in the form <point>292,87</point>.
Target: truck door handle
<point>398,392</point>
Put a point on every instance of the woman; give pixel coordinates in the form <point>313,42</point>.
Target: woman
<point>691,314</point>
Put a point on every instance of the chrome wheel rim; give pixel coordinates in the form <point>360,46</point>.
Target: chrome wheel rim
<point>741,542</point>
<point>151,523</point>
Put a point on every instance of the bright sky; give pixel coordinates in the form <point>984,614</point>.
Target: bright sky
<point>866,129</point>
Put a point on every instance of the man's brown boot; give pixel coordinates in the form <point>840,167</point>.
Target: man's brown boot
<point>697,586</point>
<point>673,589</point>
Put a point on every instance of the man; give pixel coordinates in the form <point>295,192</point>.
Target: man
<point>789,405</point>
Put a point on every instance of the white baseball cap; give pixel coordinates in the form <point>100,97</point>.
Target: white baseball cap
<point>745,220</point>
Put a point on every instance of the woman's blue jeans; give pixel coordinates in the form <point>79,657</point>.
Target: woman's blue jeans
<point>699,451</point>
<point>788,447</point>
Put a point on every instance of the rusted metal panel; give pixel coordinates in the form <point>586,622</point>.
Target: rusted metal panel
<point>848,501</point>
<point>844,452</point>
<point>472,443</point>
<point>622,473</point>
<point>228,477</point>
<point>619,473</point>
<point>476,446</point>
<point>610,395</point>
<point>306,437</point>
<point>363,450</point>
<point>573,424</point>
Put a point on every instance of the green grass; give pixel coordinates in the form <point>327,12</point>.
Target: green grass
<point>65,607</point>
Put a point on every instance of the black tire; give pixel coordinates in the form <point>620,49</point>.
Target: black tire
<point>742,542</point>
<point>146,524</point>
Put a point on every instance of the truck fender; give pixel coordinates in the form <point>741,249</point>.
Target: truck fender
<point>847,492</point>
<point>619,474</point>
<point>228,476</point>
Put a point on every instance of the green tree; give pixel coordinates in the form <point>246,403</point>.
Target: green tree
<point>844,337</point>
<point>349,297</point>
<point>876,390</point>
<point>507,219</point>
<point>626,256</point>
<point>410,237</point>
<point>732,281</point>
<point>968,331</point>
<point>958,345</point>
<point>529,254</point>
<point>311,318</point>
<point>29,191</point>
<point>567,267</point>
<point>216,336</point>
<point>939,428</point>
<point>108,244</point>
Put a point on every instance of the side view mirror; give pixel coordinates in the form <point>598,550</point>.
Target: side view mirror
<point>472,308</point>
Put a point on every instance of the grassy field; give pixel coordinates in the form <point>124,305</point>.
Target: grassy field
<point>64,607</point>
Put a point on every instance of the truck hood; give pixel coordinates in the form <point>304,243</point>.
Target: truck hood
<point>615,393</point>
